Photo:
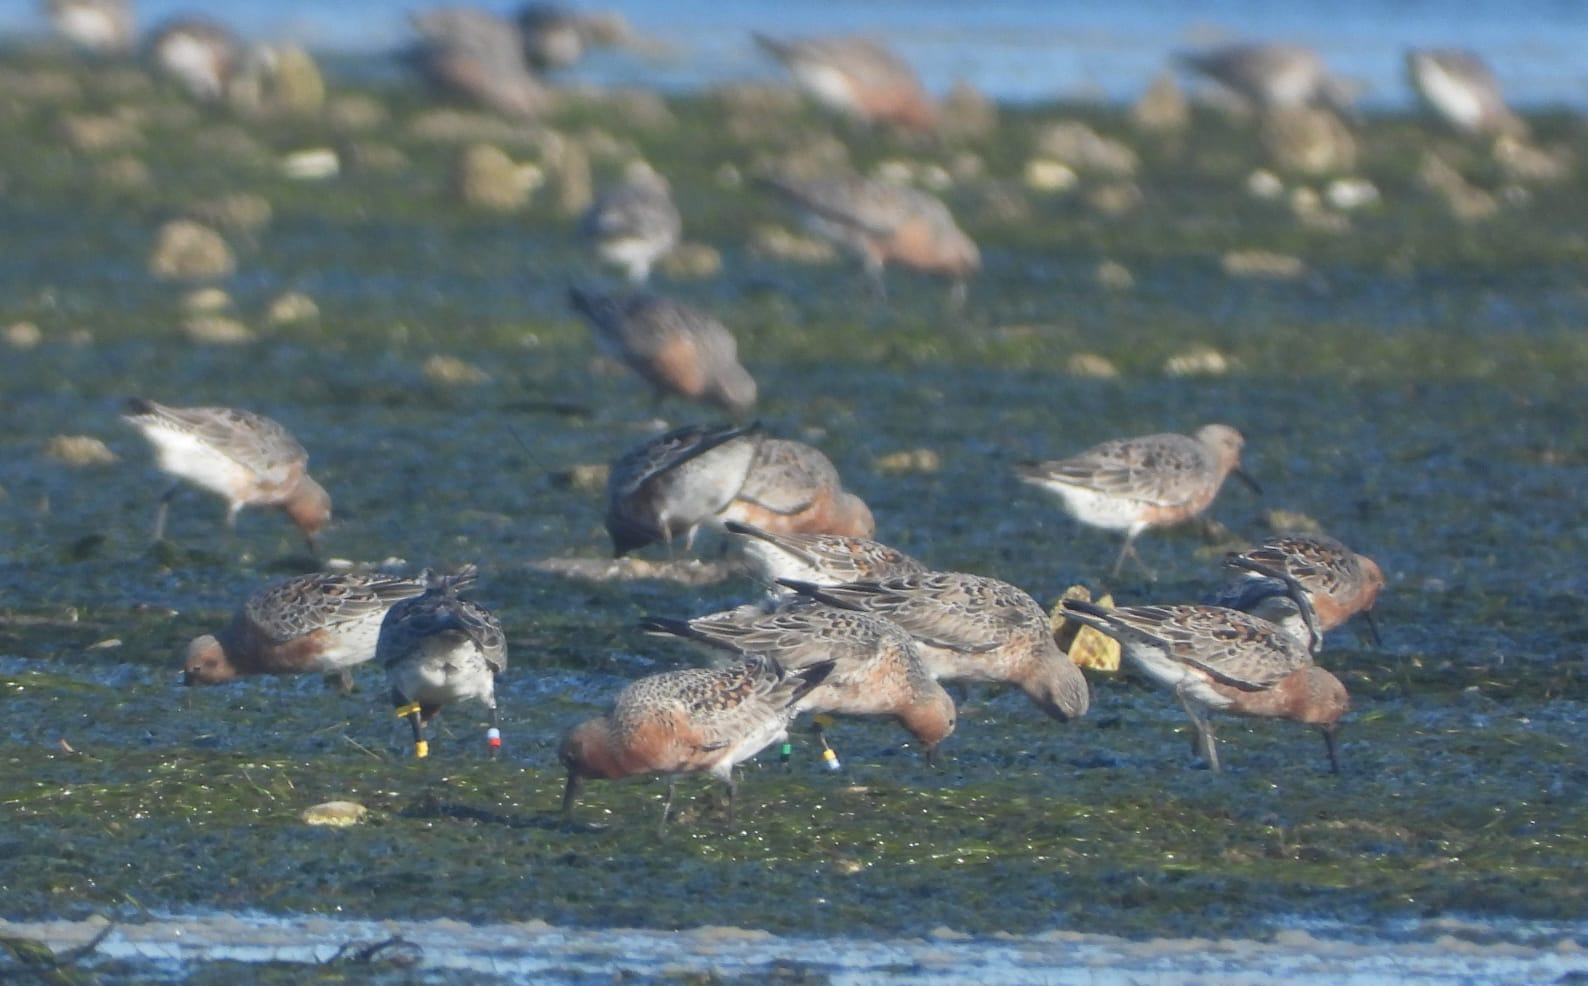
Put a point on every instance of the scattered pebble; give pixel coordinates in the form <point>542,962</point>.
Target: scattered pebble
<point>190,251</point>
<point>1262,264</point>
<point>692,260</point>
<point>339,814</point>
<point>312,164</point>
<point>294,306</point>
<point>918,460</point>
<point>1048,175</point>
<point>777,241</point>
<point>217,329</point>
<point>23,335</point>
<point>1351,193</point>
<point>79,451</point>
<point>1090,365</point>
<point>1162,108</point>
<point>1309,141</point>
<point>1114,275</point>
<point>1084,149</point>
<point>451,371</point>
<point>486,178</point>
<point>1264,184</point>
<point>588,477</point>
<point>1199,361</point>
<point>206,300</point>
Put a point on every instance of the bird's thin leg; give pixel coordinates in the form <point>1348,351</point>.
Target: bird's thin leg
<point>161,509</point>
<point>667,806</point>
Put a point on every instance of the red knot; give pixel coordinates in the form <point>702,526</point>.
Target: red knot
<point>1338,582</point>
<point>883,223</point>
<point>857,77</point>
<point>822,559</point>
<point>674,483</point>
<point>474,54</point>
<point>1272,76</point>
<point>325,622</point>
<point>1223,660</point>
<point>971,628</point>
<point>679,349</point>
<point>634,224</point>
<point>687,721</point>
<point>1132,484</point>
<point>1459,88</point>
<point>438,649</point>
<point>793,488</point>
<point>877,668</point>
<point>246,458</point>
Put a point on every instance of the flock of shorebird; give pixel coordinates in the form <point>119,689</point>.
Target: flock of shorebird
<point>849,626</point>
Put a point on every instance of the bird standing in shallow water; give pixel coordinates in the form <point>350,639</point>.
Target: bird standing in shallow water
<point>821,559</point>
<point>1223,660</point>
<point>1338,582</point>
<point>877,668</point>
<point>883,223</point>
<point>793,488</point>
<point>438,649</point>
<point>687,721</point>
<point>324,622</point>
<point>634,223</point>
<point>679,349</point>
<point>1132,484</point>
<point>971,628</point>
<point>246,458</point>
<point>674,483</point>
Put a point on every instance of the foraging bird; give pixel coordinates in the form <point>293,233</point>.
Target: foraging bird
<point>857,77</point>
<point>1338,582</point>
<point>687,721</point>
<point>246,458</point>
<point>971,628</point>
<point>1223,660</point>
<point>883,223</point>
<point>326,622</point>
<point>674,483</point>
<point>438,649</point>
<point>1132,484</point>
<point>793,488</point>
<point>822,559</point>
<point>877,668</point>
<point>634,223</point>
<point>679,349</point>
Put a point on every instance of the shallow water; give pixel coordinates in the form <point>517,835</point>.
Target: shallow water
<point>1416,390</point>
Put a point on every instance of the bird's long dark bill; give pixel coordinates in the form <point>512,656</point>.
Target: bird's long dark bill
<point>1246,478</point>
<point>570,793</point>
<point>1328,742</point>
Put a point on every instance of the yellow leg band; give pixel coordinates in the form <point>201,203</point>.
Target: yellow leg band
<point>404,711</point>
<point>422,749</point>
